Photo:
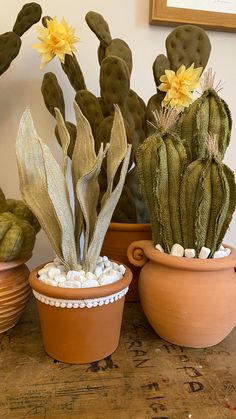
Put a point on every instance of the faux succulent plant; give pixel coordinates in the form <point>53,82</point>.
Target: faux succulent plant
<point>44,187</point>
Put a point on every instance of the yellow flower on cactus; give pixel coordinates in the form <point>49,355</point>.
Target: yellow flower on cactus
<point>179,86</point>
<point>58,38</point>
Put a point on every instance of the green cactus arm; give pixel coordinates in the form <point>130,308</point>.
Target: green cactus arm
<point>91,109</point>
<point>232,203</point>
<point>147,166</point>
<point>213,116</point>
<point>3,202</point>
<point>101,53</point>
<point>153,104</point>
<point>22,212</point>
<point>219,205</point>
<point>29,237</point>
<point>72,131</point>
<point>187,128</point>
<point>29,14</point>
<point>159,66</point>
<point>44,20</point>
<point>11,243</point>
<point>176,160</point>
<point>137,110</point>
<point>188,193</point>
<point>4,227</point>
<point>99,26</point>
<point>132,182</point>
<point>114,82</point>
<point>202,206</point>
<point>209,113</point>
<point>52,94</point>
<point>74,73</point>
<point>120,48</point>
<point>188,44</point>
<point>10,44</point>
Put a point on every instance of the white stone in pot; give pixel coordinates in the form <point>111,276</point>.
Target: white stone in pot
<point>189,253</point>
<point>159,247</point>
<point>177,250</point>
<point>204,253</point>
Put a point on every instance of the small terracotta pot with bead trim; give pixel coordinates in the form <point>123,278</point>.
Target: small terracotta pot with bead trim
<point>188,302</point>
<point>80,325</point>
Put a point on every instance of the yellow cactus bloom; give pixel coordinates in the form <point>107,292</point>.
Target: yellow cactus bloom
<point>58,38</point>
<point>179,86</point>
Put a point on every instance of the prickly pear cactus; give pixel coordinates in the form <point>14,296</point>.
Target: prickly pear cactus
<point>10,42</point>
<point>115,60</point>
<point>209,113</point>
<point>18,229</point>
<point>207,200</point>
<point>186,44</point>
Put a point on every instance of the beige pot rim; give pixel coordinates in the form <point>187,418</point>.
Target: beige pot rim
<point>78,293</point>
<point>140,252</point>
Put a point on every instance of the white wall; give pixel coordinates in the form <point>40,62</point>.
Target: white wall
<point>20,85</point>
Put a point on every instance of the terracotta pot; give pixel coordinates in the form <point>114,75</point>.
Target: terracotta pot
<point>188,302</point>
<point>117,240</point>
<point>15,292</point>
<point>80,325</point>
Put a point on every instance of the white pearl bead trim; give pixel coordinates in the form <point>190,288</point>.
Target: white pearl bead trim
<point>89,303</point>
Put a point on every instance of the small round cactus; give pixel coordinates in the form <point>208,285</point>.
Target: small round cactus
<point>18,229</point>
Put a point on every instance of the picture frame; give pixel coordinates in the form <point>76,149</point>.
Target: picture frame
<point>162,14</point>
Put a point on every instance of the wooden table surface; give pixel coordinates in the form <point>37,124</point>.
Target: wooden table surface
<point>146,378</point>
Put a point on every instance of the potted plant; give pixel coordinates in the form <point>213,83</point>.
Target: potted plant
<point>17,224</point>
<point>187,284</point>
<point>80,295</point>
<point>18,229</point>
<point>130,218</point>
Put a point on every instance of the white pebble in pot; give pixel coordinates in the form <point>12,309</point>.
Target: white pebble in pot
<point>204,253</point>
<point>189,253</point>
<point>70,284</point>
<point>53,272</point>
<point>74,275</point>
<point>159,247</point>
<point>177,250</point>
<point>89,283</point>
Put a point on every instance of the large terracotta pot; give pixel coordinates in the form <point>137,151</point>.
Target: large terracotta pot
<point>188,302</point>
<point>80,325</point>
<point>15,292</point>
<point>117,240</point>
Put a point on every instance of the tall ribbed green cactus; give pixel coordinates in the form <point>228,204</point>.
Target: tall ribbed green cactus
<point>161,160</point>
<point>209,113</point>
<point>191,205</point>
<point>207,200</point>
<point>18,229</point>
